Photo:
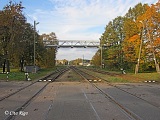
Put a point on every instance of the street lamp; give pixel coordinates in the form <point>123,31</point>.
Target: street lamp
<point>35,45</point>
<point>140,49</point>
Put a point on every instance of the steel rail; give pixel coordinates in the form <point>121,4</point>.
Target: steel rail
<point>125,110</point>
<point>48,76</point>
<point>125,90</point>
<point>22,107</point>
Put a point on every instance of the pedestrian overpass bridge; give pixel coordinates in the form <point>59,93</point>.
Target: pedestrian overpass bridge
<point>72,43</point>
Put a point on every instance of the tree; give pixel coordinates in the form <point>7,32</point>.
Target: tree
<point>123,36</point>
<point>151,23</point>
<point>11,19</point>
<point>143,26</point>
<point>16,40</point>
<point>96,59</point>
<point>49,53</point>
<point>111,41</point>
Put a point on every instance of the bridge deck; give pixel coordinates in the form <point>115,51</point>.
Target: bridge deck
<point>72,43</point>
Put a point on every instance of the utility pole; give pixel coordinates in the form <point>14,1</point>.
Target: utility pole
<point>34,46</point>
<point>140,49</point>
<point>101,56</point>
<point>83,61</point>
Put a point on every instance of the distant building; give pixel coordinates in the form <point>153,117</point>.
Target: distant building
<point>62,62</point>
<point>85,63</point>
<point>77,62</point>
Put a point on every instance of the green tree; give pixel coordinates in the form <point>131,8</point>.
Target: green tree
<point>111,41</point>
<point>96,59</point>
<point>49,53</point>
<point>17,40</point>
<point>10,26</point>
<point>122,38</point>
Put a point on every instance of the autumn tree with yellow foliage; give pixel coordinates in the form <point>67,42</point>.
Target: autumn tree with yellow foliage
<point>139,27</point>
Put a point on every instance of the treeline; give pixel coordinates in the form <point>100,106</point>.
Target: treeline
<point>132,38</point>
<point>17,40</point>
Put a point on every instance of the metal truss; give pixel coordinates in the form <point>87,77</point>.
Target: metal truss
<point>72,43</point>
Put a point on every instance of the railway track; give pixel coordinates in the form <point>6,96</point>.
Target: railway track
<point>49,78</point>
<point>104,72</point>
<point>117,99</point>
<point>113,85</point>
<point>31,99</point>
<point>32,91</point>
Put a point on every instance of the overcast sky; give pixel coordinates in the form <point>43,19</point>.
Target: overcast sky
<point>75,19</point>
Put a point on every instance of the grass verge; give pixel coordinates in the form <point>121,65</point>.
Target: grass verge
<point>15,75</point>
<point>129,77</point>
<point>132,78</point>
